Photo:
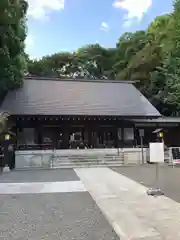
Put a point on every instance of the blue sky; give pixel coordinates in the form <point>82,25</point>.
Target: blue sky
<point>65,25</point>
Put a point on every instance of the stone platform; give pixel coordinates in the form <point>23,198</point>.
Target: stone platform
<point>131,212</point>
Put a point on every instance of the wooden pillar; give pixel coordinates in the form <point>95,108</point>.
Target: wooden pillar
<point>135,138</point>
<point>39,135</point>
<point>95,139</point>
<point>16,138</point>
<point>116,140</point>
<point>86,137</point>
<point>90,142</point>
<point>95,134</point>
<point>122,137</point>
<point>66,135</point>
<point>91,134</point>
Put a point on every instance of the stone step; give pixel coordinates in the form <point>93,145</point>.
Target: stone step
<point>70,166</point>
<point>86,166</point>
<point>88,159</point>
<point>87,163</point>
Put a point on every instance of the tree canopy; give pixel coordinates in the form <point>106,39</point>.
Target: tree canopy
<point>151,56</point>
<point>12,37</point>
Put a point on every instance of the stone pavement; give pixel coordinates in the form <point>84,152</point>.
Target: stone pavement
<point>49,205</point>
<point>41,187</point>
<point>169,177</point>
<point>53,175</point>
<point>133,214</point>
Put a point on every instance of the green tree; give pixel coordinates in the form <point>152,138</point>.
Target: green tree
<point>128,46</point>
<point>91,62</point>
<point>96,62</point>
<point>12,37</point>
<point>151,56</point>
<point>169,73</point>
<point>162,30</point>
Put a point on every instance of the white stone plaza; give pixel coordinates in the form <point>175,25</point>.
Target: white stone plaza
<point>132,214</point>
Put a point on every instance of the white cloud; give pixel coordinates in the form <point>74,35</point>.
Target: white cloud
<point>104,27</point>
<point>40,9</point>
<point>135,9</point>
<point>29,42</point>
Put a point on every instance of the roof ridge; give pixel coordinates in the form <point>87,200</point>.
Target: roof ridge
<point>76,80</point>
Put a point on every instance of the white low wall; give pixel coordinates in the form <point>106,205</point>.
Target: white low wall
<point>134,155</point>
<point>30,159</point>
<point>66,152</point>
<point>44,158</point>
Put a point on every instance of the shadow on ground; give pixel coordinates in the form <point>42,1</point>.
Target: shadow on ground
<point>169,177</point>
<point>56,175</point>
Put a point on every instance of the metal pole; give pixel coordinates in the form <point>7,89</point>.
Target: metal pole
<point>156,191</point>
<point>118,141</point>
<point>157,175</point>
<point>142,152</point>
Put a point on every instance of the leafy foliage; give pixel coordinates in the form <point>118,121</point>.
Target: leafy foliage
<point>3,121</point>
<point>91,61</point>
<point>169,72</point>
<point>12,36</point>
<point>152,57</point>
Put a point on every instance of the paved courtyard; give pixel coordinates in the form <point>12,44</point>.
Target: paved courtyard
<point>68,214</point>
<point>132,213</point>
<point>89,203</point>
<point>39,176</point>
<point>169,178</point>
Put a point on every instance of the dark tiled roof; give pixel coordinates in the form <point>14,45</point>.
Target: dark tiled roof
<point>73,97</point>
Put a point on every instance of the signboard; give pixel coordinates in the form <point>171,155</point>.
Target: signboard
<point>47,140</point>
<point>175,155</point>
<point>156,152</point>
<point>141,132</point>
<point>128,134</point>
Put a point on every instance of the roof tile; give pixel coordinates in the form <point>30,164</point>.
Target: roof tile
<point>64,97</point>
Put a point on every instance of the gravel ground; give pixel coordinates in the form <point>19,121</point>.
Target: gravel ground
<point>69,216</point>
<point>59,175</point>
<point>169,178</point>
